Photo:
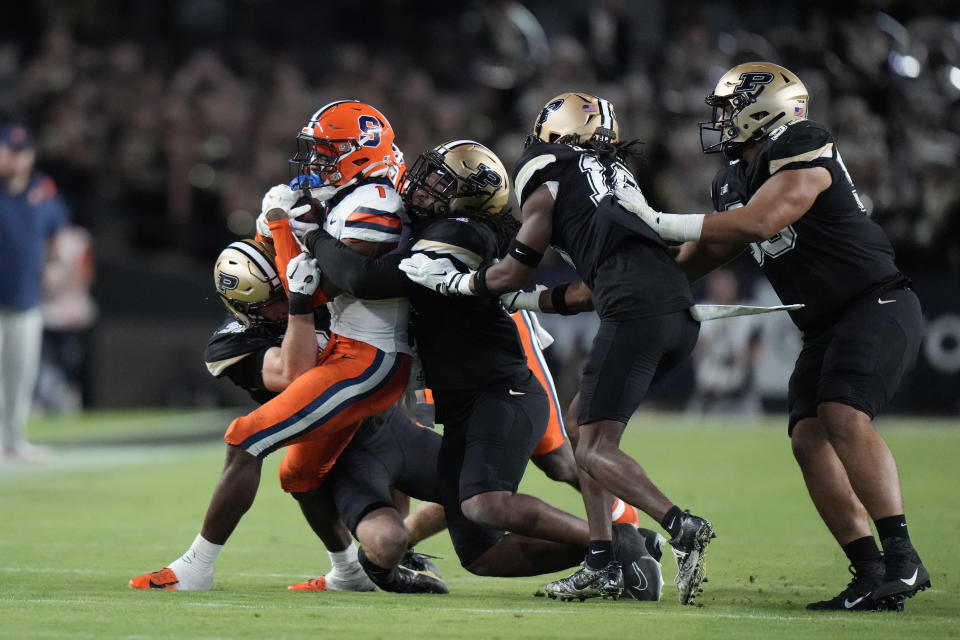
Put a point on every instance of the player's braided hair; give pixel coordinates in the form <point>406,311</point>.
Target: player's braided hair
<point>503,224</point>
<point>627,152</point>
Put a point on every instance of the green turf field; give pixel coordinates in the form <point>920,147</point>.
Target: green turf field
<point>74,531</point>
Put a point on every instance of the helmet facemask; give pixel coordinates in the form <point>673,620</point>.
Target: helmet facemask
<point>429,186</point>
<point>456,178</point>
<point>321,157</point>
<point>727,112</point>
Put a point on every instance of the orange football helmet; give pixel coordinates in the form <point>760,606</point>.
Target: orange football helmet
<point>345,142</point>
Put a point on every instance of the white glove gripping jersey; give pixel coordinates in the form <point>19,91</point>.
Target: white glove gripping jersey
<point>371,212</point>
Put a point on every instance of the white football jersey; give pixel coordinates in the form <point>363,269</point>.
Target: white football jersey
<point>372,213</point>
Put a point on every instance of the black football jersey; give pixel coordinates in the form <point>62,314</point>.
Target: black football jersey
<point>237,352</point>
<point>617,255</point>
<point>834,254</point>
<point>465,342</point>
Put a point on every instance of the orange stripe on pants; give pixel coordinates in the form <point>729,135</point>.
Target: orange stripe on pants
<point>554,435</point>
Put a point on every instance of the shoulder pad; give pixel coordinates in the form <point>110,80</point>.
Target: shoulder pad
<point>459,239</point>
<point>798,142</point>
<point>371,213</point>
<point>540,163</point>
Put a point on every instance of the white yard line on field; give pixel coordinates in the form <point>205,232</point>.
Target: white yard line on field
<point>572,609</point>
<point>96,458</point>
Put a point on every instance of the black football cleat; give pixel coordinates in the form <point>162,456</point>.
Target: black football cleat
<point>905,574</point>
<point>404,580</point>
<point>858,594</point>
<point>589,583</point>
<point>400,579</point>
<point>421,562</point>
<point>689,548</point>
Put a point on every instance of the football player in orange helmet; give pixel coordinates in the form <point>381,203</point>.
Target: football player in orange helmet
<point>344,143</point>
<point>365,366</point>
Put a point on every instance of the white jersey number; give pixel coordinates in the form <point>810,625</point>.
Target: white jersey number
<point>597,177</point>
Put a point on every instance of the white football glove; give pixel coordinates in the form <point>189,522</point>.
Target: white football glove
<point>438,274</point>
<point>669,226</point>
<point>522,300</point>
<point>300,228</point>
<point>303,275</point>
<point>282,197</point>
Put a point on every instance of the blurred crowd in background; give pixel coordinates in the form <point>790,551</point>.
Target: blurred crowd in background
<point>163,123</point>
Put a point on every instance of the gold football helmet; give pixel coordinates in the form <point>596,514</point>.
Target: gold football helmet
<point>246,279</point>
<point>749,101</point>
<point>577,114</point>
<point>459,177</point>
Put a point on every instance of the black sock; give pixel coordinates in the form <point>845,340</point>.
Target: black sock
<point>671,522</point>
<point>599,553</point>
<point>376,572</point>
<point>892,527</point>
<point>862,550</point>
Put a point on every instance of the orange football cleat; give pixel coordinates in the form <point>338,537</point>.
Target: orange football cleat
<point>313,584</point>
<point>164,579</point>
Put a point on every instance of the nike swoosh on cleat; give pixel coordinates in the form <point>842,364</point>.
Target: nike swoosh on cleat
<point>912,580</point>
<point>850,605</point>
<point>880,301</point>
<point>163,585</point>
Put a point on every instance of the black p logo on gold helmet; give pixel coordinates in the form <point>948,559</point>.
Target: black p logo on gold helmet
<point>458,177</point>
<point>748,102</point>
<point>246,279</point>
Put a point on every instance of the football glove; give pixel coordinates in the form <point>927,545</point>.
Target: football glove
<point>522,300</point>
<point>300,228</point>
<point>438,274</point>
<point>669,226</point>
<point>282,197</point>
<point>303,275</point>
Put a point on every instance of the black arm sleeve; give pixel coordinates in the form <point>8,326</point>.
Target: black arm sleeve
<point>355,273</point>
